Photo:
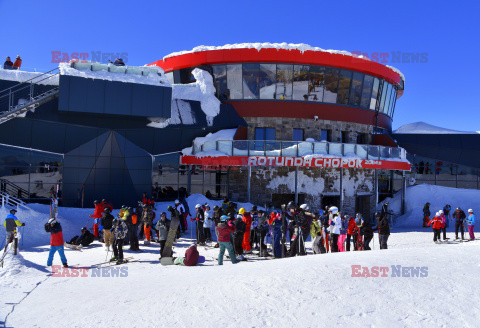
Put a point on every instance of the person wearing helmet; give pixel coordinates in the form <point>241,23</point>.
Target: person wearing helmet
<point>471,224</point>
<point>351,233</point>
<point>437,225</point>
<point>444,221</point>
<point>343,233</point>
<point>224,232</point>
<point>208,223</point>
<point>383,227</point>
<point>85,238</point>
<point>459,216</point>
<point>446,211</point>
<point>183,214</point>
<point>217,213</point>
<point>426,214</point>
<point>11,223</point>
<point>301,231</point>
<point>56,241</point>
<point>240,228</point>
<point>97,215</point>
<point>18,63</point>
<point>107,222</point>
<point>199,220</point>
<point>247,219</point>
<point>132,221</point>
<point>148,217</point>
<point>162,227</point>
<point>316,232</point>
<point>119,229</point>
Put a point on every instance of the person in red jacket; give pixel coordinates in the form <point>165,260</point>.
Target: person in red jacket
<point>247,218</point>
<point>191,257</point>
<point>437,225</point>
<point>56,241</point>
<point>351,232</point>
<point>17,63</point>
<point>224,231</point>
<point>97,215</point>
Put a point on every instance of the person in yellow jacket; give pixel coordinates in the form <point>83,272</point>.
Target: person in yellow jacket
<point>11,223</point>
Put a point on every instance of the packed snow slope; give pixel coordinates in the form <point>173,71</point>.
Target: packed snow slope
<point>308,291</point>
<point>438,196</point>
<point>425,128</point>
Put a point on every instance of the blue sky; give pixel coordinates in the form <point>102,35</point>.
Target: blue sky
<point>442,91</point>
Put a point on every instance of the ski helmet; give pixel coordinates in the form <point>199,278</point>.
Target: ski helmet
<point>239,216</point>
<point>241,210</point>
<point>216,208</point>
<point>198,206</point>
<point>441,211</point>
<point>304,207</point>
<point>291,205</point>
<point>470,211</point>
<point>223,218</point>
<point>13,211</point>
<point>359,215</point>
<point>95,202</point>
<point>52,221</point>
<point>107,210</point>
<point>84,229</point>
<point>437,214</point>
<point>206,205</point>
<point>333,209</point>
<point>163,214</point>
<point>169,208</point>
<point>177,201</point>
<point>254,207</point>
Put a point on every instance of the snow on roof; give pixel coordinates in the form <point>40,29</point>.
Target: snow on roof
<point>22,76</point>
<point>425,128</point>
<point>302,47</point>
<point>181,113</point>
<point>227,134</point>
<point>151,79</point>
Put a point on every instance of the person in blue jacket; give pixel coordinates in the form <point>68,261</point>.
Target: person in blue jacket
<point>11,223</point>
<point>471,223</point>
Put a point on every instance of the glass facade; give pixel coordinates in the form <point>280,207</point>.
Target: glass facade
<point>298,83</point>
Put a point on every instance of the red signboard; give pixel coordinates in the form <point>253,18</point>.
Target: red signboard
<point>309,161</point>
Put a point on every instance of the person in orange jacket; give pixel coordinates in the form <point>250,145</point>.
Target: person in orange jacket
<point>247,218</point>
<point>17,63</point>
<point>351,232</point>
<point>437,225</point>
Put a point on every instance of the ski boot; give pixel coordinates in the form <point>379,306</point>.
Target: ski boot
<point>65,265</point>
<point>113,259</point>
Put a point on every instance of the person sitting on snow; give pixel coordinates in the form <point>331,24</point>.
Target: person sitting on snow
<point>85,238</point>
<point>191,257</point>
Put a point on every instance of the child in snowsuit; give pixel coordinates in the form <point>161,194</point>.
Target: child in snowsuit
<point>56,242</point>
<point>471,223</point>
<point>247,219</point>
<point>208,223</point>
<point>119,230</point>
<point>437,225</point>
<point>316,233</point>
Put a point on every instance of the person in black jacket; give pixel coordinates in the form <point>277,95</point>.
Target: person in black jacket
<point>217,213</point>
<point>459,216</point>
<point>367,232</point>
<point>8,64</point>
<point>85,239</point>
<point>383,230</point>
<point>107,222</point>
<point>240,228</point>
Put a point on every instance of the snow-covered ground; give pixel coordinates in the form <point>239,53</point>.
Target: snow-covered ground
<point>425,128</point>
<point>309,291</point>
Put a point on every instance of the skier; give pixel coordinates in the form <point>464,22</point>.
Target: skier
<point>11,223</point>
<point>351,232</point>
<point>316,233</point>
<point>426,214</point>
<point>254,234</point>
<point>302,229</point>
<point>199,218</point>
<point>224,231</point>
<point>183,214</point>
<point>383,230</point>
<point>162,227</point>
<point>119,229</point>
<point>56,242</point>
<point>217,213</point>
<point>148,217</point>
<point>247,218</point>
<point>336,222</point>
<point>471,224</point>
<point>437,225</point>
<point>276,223</point>
<point>459,216</point>
<point>132,225</point>
<point>367,231</point>
<point>85,238</point>
<point>97,215</point>
<point>240,228</point>
<point>358,237</point>
<point>262,231</point>
<point>326,233</point>
<point>446,211</point>
<point>343,234</point>
<point>445,222</point>
<point>208,223</point>
<point>107,221</point>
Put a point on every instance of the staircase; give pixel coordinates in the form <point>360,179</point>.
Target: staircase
<point>12,189</point>
<point>26,90</point>
<point>11,202</point>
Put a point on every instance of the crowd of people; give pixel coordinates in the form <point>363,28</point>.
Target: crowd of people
<point>441,221</point>
<point>15,65</point>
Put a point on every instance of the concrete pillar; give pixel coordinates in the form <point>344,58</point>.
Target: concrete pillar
<point>404,187</point>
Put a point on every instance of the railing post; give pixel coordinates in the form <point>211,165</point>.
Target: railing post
<point>281,149</point>
<point>343,149</point>
<point>297,149</point>
<point>216,145</point>
<point>328,148</point>
<point>232,148</point>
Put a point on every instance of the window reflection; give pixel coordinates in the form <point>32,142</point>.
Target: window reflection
<point>344,87</point>
<point>373,99</point>
<point>331,85</point>
<point>284,82</point>
<point>300,82</point>
<point>366,92</point>
<point>356,89</point>
<point>234,81</point>
<point>220,78</point>
<point>268,73</point>
<point>387,99</point>
<point>251,81</point>
<point>317,83</point>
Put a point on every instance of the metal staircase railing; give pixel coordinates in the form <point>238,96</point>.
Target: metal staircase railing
<point>30,91</point>
<point>12,189</point>
<point>8,200</point>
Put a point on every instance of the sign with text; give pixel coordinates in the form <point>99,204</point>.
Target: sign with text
<point>310,161</point>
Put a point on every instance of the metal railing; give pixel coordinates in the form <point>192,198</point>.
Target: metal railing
<point>8,200</point>
<point>298,149</point>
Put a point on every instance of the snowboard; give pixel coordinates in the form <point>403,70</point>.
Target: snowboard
<point>71,246</point>
<point>167,249</point>
<point>167,260</point>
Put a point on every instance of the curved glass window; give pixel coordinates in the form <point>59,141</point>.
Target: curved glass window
<point>300,82</point>
<point>344,87</point>
<point>234,81</point>
<point>284,82</point>
<point>373,99</point>
<point>267,80</point>
<point>251,81</point>
<point>356,89</point>
<point>317,83</point>
<point>331,85</point>
<point>366,91</point>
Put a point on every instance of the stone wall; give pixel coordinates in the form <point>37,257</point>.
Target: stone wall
<point>311,128</point>
<point>313,184</point>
